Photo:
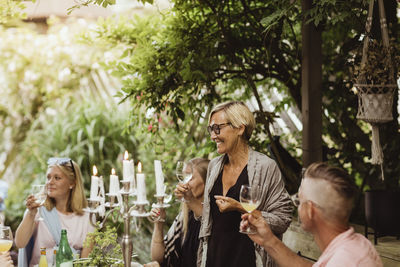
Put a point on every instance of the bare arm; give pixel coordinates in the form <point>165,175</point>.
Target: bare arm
<point>157,239</point>
<point>27,226</point>
<point>281,254</point>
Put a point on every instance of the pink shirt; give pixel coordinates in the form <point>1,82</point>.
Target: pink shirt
<point>349,249</point>
<point>77,228</point>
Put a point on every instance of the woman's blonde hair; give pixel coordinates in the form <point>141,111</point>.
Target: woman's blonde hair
<point>201,166</point>
<point>76,200</point>
<point>237,113</point>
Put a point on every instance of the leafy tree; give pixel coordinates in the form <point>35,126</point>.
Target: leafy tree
<point>202,52</point>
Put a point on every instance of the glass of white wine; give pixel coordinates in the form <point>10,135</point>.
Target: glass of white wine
<point>39,191</point>
<point>184,173</point>
<point>6,238</point>
<point>250,199</point>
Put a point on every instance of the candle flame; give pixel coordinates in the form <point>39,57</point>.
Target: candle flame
<point>94,170</point>
<point>139,167</point>
<point>112,171</point>
<point>126,155</point>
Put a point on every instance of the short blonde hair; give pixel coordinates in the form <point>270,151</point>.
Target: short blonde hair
<point>76,200</point>
<point>237,113</point>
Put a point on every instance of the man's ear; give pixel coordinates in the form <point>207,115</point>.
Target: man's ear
<point>310,210</point>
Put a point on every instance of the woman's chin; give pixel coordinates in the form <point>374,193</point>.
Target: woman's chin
<point>220,149</point>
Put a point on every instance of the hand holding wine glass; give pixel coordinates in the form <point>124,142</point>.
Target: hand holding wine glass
<point>39,192</point>
<point>6,238</point>
<point>157,215</point>
<point>250,199</point>
<point>184,173</point>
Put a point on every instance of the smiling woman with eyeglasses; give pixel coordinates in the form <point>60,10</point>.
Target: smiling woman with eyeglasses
<point>63,209</point>
<point>230,127</point>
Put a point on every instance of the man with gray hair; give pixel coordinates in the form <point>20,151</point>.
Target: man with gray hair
<point>325,201</point>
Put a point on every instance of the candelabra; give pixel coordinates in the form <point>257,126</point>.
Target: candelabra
<point>137,210</point>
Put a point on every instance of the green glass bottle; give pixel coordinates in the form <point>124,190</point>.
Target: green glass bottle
<point>64,255</point>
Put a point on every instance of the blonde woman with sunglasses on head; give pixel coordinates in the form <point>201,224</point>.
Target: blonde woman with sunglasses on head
<point>63,209</point>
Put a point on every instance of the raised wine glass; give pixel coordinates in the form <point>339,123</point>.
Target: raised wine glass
<point>156,217</point>
<point>250,199</point>
<point>6,238</point>
<point>39,191</point>
<point>184,173</point>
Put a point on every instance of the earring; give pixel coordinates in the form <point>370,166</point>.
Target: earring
<point>70,187</point>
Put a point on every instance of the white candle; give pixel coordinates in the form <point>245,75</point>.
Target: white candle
<point>94,186</point>
<point>141,185</point>
<point>128,171</point>
<point>114,183</point>
<point>159,178</point>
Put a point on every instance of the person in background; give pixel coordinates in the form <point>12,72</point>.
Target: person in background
<point>230,126</point>
<point>5,260</point>
<point>3,196</point>
<point>325,197</point>
<point>63,209</point>
<point>179,247</point>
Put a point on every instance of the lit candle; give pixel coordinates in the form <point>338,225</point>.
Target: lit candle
<point>159,178</point>
<point>94,186</point>
<point>128,171</point>
<point>114,183</point>
<point>141,185</point>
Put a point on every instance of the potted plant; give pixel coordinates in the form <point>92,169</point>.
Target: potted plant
<point>376,85</point>
<point>106,251</point>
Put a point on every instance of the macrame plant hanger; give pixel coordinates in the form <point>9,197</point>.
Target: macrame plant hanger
<point>375,101</point>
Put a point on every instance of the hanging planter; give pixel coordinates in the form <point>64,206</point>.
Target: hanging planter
<point>375,82</point>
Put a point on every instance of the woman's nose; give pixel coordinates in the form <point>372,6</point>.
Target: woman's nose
<point>213,135</point>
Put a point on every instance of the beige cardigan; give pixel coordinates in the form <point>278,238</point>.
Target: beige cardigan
<point>276,206</point>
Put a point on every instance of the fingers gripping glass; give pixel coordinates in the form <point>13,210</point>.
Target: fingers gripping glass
<point>250,198</point>
<point>216,128</point>
<point>39,191</point>
<point>184,173</point>
<point>62,162</point>
<point>6,238</point>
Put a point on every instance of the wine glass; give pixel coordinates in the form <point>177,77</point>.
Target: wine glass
<point>39,191</point>
<point>168,193</point>
<point>6,238</point>
<point>158,208</point>
<point>184,173</point>
<point>179,170</point>
<point>250,199</point>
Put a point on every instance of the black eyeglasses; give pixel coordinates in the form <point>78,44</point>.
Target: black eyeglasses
<point>216,128</point>
<point>61,162</point>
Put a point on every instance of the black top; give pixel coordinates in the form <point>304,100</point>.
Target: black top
<point>185,255</point>
<point>227,246</point>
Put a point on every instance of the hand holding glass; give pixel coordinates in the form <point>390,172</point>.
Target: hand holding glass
<point>157,215</point>
<point>250,199</point>
<point>39,191</point>
<point>6,238</point>
<point>184,173</point>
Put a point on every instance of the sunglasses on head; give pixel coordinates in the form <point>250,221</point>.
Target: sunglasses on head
<point>61,162</point>
<point>216,128</point>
